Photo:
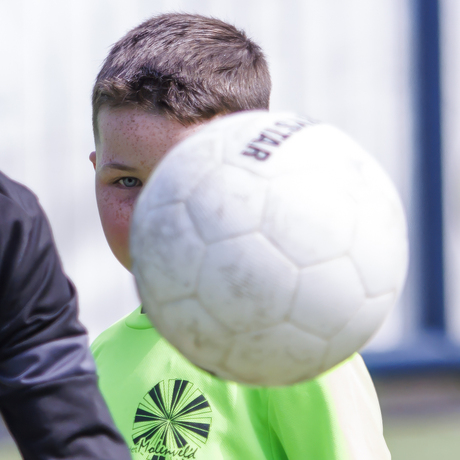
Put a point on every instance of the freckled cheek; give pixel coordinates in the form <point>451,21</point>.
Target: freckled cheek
<point>115,218</point>
<point>115,221</point>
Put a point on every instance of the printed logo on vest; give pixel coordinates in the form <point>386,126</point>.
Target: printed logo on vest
<point>171,422</point>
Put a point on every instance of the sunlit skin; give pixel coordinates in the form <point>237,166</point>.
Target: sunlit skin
<point>131,143</point>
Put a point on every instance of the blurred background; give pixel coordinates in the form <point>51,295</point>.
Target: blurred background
<point>384,71</point>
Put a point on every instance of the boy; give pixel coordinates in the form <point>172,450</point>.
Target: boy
<point>160,83</point>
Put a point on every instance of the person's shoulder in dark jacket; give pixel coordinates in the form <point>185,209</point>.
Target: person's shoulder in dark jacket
<point>48,387</point>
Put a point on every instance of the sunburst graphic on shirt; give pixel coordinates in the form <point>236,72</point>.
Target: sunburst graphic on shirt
<point>172,420</point>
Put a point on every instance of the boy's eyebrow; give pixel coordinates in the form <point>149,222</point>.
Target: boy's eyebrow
<point>119,166</point>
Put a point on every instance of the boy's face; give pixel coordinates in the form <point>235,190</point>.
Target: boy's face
<point>130,144</point>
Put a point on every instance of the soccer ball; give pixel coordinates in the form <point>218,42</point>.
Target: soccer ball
<point>267,248</point>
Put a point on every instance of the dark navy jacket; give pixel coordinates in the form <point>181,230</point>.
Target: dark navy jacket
<point>48,386</point>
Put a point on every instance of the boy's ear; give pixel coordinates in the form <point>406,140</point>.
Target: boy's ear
<point>92,158</point>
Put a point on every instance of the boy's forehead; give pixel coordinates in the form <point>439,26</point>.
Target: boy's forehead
<point>130,120</point>
<point>135,127</point>
<point>129,128</point>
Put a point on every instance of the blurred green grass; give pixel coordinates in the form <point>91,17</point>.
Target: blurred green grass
<point>421,415</point>
<point>8,450</point>
<point>425,437</point>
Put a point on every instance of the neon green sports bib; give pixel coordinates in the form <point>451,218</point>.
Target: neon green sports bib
<point>168,409</point>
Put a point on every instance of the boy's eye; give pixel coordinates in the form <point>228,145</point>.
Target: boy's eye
<point>129,182</point>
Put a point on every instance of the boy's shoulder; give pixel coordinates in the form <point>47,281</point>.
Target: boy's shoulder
<point>130,329</point>
<point>107,335</point>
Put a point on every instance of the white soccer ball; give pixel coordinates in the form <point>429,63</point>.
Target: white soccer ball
<point>267,248</point>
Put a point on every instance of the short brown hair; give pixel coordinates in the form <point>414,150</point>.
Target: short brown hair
<point>186,67</point>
